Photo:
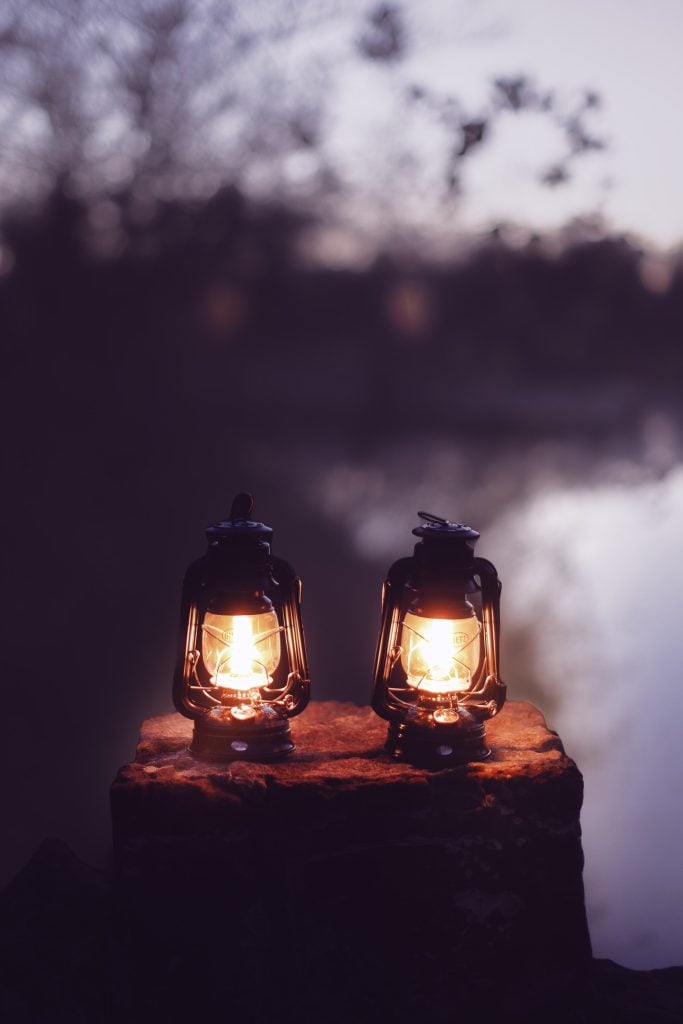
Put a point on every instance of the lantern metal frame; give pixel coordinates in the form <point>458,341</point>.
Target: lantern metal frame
<point>428,729</point>
<point>239,576</point>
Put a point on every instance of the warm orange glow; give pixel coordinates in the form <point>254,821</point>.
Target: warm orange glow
<point>241,652</point>
<point>440,655</point>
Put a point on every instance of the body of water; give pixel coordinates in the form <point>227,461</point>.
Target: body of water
<point>588,542</point>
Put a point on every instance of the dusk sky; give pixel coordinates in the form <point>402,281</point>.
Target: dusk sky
<point>628,53</point>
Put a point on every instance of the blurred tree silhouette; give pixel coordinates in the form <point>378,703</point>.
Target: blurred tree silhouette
<point>139,101</point>
<point>512,95</point>
<point>163,96</point>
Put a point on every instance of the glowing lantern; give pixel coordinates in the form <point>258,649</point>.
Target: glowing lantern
<point>241,671</point>
<point>436,667</point>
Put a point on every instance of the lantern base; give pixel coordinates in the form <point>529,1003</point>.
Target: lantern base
<point>427,744</point>
<point>266,736</point>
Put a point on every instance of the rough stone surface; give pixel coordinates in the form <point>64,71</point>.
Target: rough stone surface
<point>340,884</point>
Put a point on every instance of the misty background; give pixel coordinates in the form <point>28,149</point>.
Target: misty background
<point>358,259</point>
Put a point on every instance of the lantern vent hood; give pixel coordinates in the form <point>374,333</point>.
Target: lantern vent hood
<point>240,527</point>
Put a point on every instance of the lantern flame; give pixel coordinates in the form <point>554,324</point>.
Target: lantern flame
<point>440,655</point>
<point>241,652</point>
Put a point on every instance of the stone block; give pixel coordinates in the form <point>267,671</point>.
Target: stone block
<point>339,884</point>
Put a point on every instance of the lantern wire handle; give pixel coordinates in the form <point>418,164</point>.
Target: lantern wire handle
<point>429,518</point>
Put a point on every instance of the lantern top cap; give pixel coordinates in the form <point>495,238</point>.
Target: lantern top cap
<point>443,529</point>
<point>239,525</point>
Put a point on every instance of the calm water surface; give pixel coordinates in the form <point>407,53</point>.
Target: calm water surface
<point>588,542</point>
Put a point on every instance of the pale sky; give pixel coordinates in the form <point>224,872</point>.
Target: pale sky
<point>629,51</point>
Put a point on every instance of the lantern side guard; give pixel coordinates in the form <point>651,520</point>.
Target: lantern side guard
<point>187,644</point>
<point>297,691</point>
<point>383,702</point>
<point>493,688</point>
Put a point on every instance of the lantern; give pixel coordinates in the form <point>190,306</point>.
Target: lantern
<point>241,671</point>
<point>436,666</point>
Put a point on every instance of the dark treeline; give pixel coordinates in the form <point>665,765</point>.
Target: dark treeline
<point>202,296</point>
